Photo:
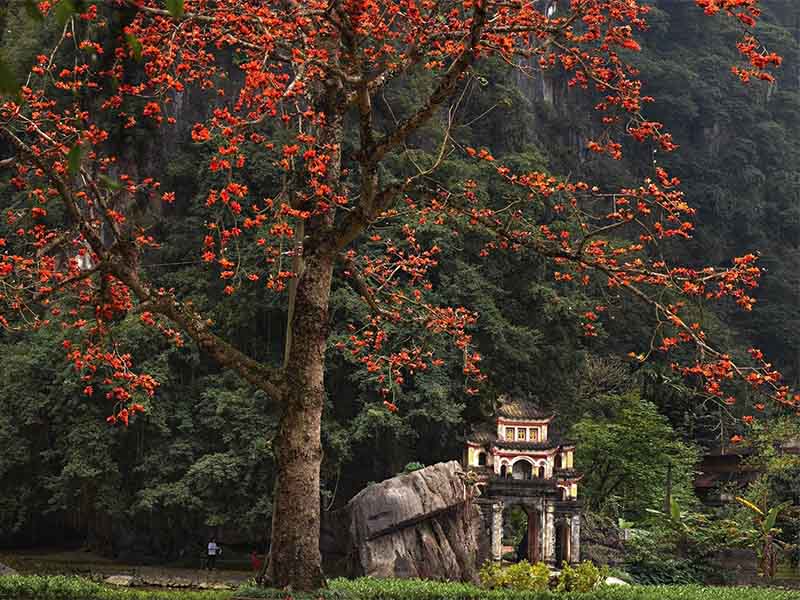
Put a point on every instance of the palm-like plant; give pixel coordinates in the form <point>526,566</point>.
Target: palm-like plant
<point>764,537</point>
<point>692,529</point>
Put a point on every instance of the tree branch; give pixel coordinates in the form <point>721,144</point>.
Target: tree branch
<point>443,91</point>
<point>265,378</point>
<point>372,203</point>
<point>360,286</point>
<point>118,260</point>
<point>63,190</point>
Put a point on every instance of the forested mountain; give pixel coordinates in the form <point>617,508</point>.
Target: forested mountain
<point>202,454</point>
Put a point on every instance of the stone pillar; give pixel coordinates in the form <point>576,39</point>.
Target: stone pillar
<point>550,535</point>
<point>497,531</point>
<point>575,541</point>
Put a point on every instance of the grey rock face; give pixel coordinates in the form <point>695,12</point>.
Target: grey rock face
<point>407,499</point>
<point>422,524</point>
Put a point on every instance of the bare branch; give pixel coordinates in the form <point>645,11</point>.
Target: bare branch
<point>360,286</point>
<point>442,92</point>
<point>190,321</point>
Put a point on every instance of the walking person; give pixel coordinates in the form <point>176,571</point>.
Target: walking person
<point>255,562</point>
<point>214,550</point>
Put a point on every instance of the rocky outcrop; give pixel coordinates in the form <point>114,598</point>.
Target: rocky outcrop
<point>422,524</point>
<point>603,542</point>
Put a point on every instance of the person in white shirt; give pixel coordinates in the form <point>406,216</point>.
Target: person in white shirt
<point>214,550</point>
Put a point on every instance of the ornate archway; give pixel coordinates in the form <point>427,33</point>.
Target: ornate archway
<point>522,469</point>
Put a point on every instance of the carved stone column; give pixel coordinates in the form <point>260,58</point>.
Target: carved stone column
<point>575,542</point>
<point>497,531</point>
<point>550,535</point>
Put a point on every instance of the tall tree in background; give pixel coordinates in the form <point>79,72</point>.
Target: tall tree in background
<point>308,86</point>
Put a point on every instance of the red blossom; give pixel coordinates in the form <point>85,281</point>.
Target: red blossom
<point>283,57</point>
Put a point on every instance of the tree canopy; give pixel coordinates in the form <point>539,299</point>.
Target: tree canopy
<point>324,177</point>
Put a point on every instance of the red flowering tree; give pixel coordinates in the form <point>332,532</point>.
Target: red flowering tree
<point>309,73</point>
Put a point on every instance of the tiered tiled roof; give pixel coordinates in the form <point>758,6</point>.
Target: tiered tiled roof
<point>483,434</point>
<point>521,409</point>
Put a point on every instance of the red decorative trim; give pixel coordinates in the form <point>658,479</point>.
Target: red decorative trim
<point>536,452</point>
<point>520,453</point>
<point>528,423</point>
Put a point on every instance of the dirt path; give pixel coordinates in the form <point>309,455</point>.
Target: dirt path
<point>97,567</point>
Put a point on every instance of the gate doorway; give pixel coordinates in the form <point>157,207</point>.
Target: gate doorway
<point>563,540</point>
<point>522,470</point>
<point>524,533</point>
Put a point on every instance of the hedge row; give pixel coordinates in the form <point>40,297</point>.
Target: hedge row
<point>63,587</point>
<point>410,589</point>
<point>19,587</point>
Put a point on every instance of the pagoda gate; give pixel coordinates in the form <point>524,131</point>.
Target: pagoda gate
<point>518,462</point>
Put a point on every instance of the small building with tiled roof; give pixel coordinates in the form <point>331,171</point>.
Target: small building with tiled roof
<point>520,446</point>
<point>519,461</point>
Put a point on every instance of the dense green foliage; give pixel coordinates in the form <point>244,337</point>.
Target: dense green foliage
<point>625,447</point>
<point>201,457</point>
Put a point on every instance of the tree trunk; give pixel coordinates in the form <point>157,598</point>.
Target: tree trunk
<point>294,550</point>
<point>295,558</point>
<point>768,559</point>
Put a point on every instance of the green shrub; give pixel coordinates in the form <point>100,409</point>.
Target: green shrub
<point>521,577</point>
<point>491,575</point>
<point>411,467</point>
<point>668,571</point>
<point>583,578</point>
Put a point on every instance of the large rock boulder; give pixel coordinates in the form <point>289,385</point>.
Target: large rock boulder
<point>422,524</point>
<point>407,499</point>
